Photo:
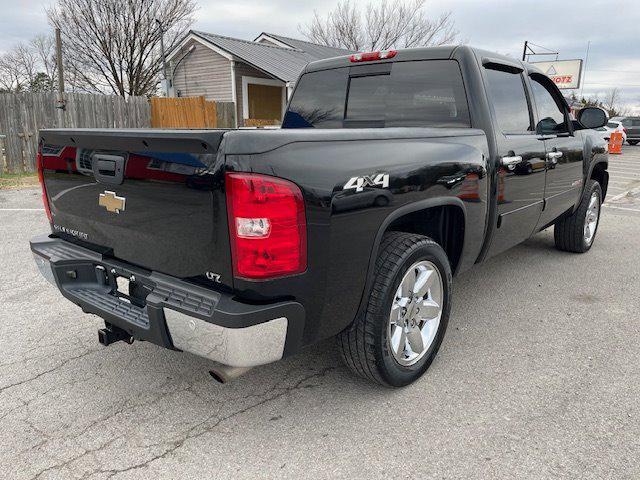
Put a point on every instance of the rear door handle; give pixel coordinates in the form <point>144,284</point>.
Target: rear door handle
<point>510,162</point>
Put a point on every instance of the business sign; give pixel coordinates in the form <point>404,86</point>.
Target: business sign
<point>565,73</point>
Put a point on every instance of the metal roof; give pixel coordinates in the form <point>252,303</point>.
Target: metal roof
<point>318,51</point>
<point>285,64</point>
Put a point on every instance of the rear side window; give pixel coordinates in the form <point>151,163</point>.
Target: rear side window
<point>635,122</point>
<point>409,94</point>
<point>509,100</point>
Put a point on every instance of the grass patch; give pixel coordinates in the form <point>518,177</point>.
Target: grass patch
<point>18,180</point>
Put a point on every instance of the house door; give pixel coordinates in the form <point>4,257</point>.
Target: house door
<point>265,102</point>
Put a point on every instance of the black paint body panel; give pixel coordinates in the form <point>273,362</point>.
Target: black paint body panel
<point>175,220</point>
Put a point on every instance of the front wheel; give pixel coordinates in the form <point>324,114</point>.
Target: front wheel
<point>632,142</point>
<point>577,232</point>
<point>406,315</point>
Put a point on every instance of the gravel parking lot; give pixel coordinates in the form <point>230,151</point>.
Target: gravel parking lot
<point>538,377</point>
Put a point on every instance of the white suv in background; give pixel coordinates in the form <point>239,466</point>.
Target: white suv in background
<point>613,126</point>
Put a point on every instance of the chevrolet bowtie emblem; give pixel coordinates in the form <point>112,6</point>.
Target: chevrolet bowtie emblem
<point>112,202</point>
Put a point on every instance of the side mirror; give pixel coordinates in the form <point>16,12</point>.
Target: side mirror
<point>592,117</point>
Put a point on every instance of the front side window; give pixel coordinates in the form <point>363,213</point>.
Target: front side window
<point>551,116</point>
<point>509,100</point>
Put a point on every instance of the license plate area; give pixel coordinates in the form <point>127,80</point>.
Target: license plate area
<point>123,285</point>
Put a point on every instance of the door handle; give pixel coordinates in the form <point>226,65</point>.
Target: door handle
<point>108,169</point>
<point>510,162</point>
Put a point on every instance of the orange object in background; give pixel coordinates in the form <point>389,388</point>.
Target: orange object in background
<point>615,142</point>
<point>470,188</point>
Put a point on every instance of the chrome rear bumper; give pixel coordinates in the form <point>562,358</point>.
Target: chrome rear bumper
<point>236,347</point>
<point>174,314</point>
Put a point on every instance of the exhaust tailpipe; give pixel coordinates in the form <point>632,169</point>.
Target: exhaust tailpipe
<point>224,373</point>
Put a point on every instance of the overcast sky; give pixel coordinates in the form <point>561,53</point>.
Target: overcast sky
<point>612,26</point>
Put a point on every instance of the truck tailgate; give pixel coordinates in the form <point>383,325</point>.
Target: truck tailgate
<point>152,198</point>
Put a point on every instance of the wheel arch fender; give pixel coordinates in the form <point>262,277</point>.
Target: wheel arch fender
<point>598,171</point>
<point>395,216</point>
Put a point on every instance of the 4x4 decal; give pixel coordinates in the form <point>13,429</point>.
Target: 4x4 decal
<point>379,180</point>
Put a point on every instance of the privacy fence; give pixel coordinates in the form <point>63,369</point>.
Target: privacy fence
<point>191,112</point>
<point>23,114</point>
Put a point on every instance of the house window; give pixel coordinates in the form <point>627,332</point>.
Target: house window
<point>263,101</point>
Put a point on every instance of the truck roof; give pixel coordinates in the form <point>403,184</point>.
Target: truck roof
<point>422,53</point>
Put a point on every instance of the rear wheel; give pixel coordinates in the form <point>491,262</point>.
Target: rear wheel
<point>406,316</point>
<point>577,232</point>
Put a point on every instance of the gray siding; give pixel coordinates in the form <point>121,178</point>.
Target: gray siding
<point>244,70</point>
<point>203,73</point>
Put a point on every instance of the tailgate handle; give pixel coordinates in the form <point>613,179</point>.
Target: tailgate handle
<point>108,169</point>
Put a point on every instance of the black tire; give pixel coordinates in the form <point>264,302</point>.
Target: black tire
<point>364,344</point>
<point>632,142</point>
<point>568,232</point>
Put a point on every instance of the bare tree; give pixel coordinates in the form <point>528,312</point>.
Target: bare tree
<point>12,77</point>
<point>113,46</point>
<point>612,103</point>
<point>29,66</point>
<point>44,47</point>
<point>388,24</point>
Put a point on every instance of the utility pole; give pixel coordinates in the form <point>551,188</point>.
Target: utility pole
<point>61,101</point>
<point>584,73</point>
<point>165,71</point>
<point>524,51</point>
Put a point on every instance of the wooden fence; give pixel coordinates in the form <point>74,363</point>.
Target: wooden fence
<point>23,114</point>
<point>191,112</point>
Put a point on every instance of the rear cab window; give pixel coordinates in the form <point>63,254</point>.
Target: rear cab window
<point>427,93</point>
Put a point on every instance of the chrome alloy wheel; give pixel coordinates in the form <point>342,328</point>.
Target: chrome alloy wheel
<point>591,220</point>
<point>415,313</point>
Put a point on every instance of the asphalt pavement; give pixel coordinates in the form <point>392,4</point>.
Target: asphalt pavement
<point>538,377</point>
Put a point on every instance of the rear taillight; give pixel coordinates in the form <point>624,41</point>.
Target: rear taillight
<point>624,130</point>
<point>45,199</point>
<point>372,56</point>
<point>267,226</point>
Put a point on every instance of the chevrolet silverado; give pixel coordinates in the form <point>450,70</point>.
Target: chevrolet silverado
<point>392,172</point>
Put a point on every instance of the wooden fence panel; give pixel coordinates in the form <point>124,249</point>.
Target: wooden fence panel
<point>23,114</point>
<point>186,112</point>
<point>226,114</point>
<point>191,112</point>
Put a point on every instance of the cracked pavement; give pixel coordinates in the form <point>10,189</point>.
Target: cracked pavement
<point>538,377</point>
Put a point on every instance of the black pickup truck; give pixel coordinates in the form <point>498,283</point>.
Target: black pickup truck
<point>393,171</point>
